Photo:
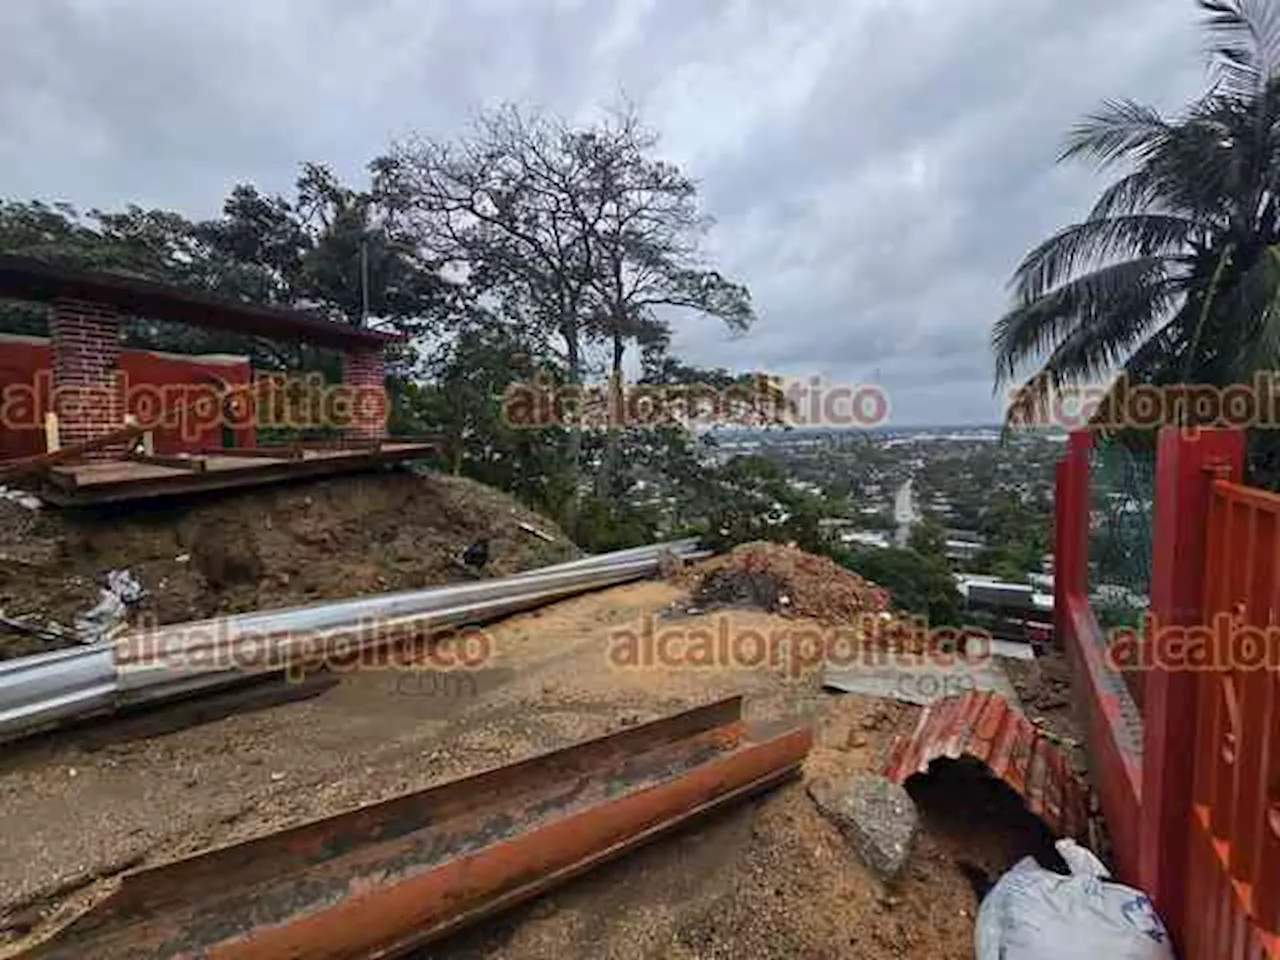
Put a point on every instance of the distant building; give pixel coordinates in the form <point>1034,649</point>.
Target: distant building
<point>866,538</point>
<point>963,551</point>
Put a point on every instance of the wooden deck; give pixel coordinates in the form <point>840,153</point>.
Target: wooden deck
<point>138,477</point>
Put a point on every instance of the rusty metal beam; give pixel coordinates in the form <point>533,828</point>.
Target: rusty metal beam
<point>386,879</point>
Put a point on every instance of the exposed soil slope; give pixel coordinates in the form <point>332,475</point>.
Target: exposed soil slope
<point>262,548</point>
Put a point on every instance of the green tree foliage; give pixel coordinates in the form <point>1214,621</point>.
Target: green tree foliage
<point>1017,537</point>
<point>459,395</point>
<point>1174,276</point>
<point>919,583</point>
<point>312,252</point>
<point>750,498</point>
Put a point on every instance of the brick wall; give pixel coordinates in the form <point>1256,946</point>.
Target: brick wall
<point>86,356</point>
<point>365,370</point>
<point>147,377</point>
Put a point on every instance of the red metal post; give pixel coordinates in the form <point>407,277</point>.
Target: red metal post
<point>1187,464</point>
<point>1071,534</point>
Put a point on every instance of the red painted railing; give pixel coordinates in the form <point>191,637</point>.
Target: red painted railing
<point>1233,874</point>
<point>1115,738</point>
<point>1190,784</point>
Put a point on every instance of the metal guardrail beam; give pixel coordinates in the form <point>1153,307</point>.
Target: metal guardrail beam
<point>49,687</point>
<point>179,660</point>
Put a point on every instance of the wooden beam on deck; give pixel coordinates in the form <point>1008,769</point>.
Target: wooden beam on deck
<point>265,453</point>
<point>177,462</point>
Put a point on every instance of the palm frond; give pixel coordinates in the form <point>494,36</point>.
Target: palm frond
<point>1134,292</point>
<point>1137,192</point>
<point>1245,326</point>
<point>1098,242</point>
<point>1244,43</point>
<point>1175,274</point>
<point>1151,362</point>
<point>1088,354</point>
<point>1121,129</point>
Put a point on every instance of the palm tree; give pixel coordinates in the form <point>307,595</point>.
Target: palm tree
<point>1174,276</point>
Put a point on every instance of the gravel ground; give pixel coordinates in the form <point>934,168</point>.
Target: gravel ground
<point>771,878</point>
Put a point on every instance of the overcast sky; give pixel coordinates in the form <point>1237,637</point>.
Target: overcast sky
<point>876,167</point>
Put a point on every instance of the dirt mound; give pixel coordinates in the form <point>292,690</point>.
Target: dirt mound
<point>785,580</point>
<point>267,547</point>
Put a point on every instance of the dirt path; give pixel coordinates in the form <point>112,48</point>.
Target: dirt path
<point>769,879</point>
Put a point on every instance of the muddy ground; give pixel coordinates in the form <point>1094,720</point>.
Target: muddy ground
<point>770,878</point>
<point>260,548</point>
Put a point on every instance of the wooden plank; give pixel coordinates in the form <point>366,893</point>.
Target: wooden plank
<point>345,443</point>
<point>265,453</point>
<point>178,462</point>
<point>135,484</point>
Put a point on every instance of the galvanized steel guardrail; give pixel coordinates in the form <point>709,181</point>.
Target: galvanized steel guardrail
<point>46,688</point>
<point>178,660</point>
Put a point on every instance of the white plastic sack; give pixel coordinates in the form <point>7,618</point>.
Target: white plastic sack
<point>1036,914</point>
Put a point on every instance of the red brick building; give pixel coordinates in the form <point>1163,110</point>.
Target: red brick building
<point>83,375</point>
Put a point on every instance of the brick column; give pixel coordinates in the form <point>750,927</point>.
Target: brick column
<point>86,354</point>
<point>365,371</point>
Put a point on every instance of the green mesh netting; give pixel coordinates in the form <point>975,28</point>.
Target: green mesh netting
<point>1121,507</point>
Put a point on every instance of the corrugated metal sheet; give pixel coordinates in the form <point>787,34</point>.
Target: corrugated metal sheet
<point>985,727</point>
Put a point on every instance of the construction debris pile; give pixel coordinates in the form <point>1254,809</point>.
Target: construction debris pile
<point>787,581</point>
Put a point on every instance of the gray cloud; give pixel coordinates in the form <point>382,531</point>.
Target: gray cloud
<point>876,167</point>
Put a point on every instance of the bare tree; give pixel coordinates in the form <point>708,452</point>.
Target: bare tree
<point>592,238</point>
<point>646,230</point>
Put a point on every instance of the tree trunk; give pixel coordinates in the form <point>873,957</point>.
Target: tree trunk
<point>573,354</point>
<point>605,488</point>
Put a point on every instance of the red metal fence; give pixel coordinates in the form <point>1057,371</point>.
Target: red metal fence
<point>1233,874</point>
<point>1190,784</point>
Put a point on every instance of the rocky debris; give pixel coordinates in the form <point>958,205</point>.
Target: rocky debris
<point>729,587</point>
<point>22,498</point>
<point>876,815</point>
<point>783,579</point>
<point>1044,687</point>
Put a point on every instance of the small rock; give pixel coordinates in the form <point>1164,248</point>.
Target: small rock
<point>21,921</point>
<point>544,907</point>
<point>876,815</point>
<point>874,720</point>
<point>182,558</point>
<point>276,777</point>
